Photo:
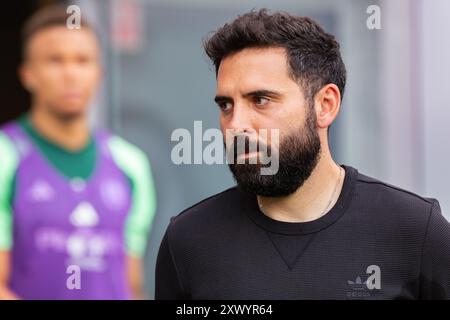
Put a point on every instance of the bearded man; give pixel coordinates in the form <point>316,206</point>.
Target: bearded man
<point>313,229</point>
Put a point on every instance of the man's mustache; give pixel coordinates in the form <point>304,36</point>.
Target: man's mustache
<point>243,144</point>
<point>267,158</point>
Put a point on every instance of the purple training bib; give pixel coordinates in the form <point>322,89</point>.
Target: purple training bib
<point>68,235</point>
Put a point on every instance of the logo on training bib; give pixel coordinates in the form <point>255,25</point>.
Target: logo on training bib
<point>84,215</point>
<point>41,191</point>
<point>113,194</point>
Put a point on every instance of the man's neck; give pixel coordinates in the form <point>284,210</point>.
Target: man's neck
<point>313,199</point>
<point>71,134</point>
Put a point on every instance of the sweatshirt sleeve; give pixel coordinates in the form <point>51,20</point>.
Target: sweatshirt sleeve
<point>136,166</point>
<point>168,284</point>
<point>435,265</point>
<point>8,165</point>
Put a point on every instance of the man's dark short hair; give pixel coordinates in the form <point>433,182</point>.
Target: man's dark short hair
<point>47,17</point>
<point>313,55</point>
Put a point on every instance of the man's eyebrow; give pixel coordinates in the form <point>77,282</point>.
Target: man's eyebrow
<point>255,93</point>
<point>263,93</point>
<point>219,99</point>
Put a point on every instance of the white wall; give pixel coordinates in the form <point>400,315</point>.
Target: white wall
<point>435,76</point>
<point>399,129</point>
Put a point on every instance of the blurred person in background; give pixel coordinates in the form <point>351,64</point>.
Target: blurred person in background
<point>71,198</point>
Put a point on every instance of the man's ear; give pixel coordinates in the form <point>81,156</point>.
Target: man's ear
<point>327,104</point>
<point>26,77</point>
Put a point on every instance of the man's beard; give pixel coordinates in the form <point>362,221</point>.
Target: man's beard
<point>298,156</point>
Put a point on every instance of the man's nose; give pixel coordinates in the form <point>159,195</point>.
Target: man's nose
<point>241,120</point>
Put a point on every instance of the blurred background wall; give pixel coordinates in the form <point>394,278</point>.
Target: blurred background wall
<point>393,123</point>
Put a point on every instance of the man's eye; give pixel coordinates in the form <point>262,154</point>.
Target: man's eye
<point>261,101</point>
<point>225,106</point>
<point>83,60</point>
<point>54,59</point>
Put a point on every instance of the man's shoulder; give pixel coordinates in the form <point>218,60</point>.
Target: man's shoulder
<point>392,191</point>
<point>209,210</point>
<point>393,201</point>
<point>8,150</point>
<point>127,155</point>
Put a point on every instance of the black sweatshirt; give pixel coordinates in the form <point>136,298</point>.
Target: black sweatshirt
<point>377,242</point>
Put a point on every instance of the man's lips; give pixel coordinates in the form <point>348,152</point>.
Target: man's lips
<point>246,155</point>
<point>243,145</point>
<point>72,96</point>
